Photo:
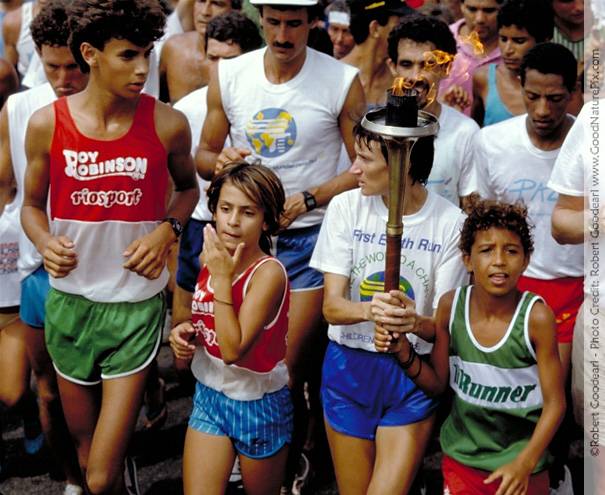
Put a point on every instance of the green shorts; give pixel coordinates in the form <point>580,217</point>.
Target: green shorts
<point>90,341</point>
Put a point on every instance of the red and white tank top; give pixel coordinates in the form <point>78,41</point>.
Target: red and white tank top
<point>262,370</point>
<point>103,196</point>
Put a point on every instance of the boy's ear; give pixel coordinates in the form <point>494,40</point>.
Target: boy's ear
<point>466,259</point>
<point>89,54</point>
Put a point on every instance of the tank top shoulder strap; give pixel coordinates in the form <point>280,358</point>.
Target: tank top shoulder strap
<point>63,116</point>
<point>526,304</point>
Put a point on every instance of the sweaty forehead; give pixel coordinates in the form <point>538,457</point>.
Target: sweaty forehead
<point>408,49</point>
<point>537,82</point>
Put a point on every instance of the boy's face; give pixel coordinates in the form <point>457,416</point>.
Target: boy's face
<point>546,98</point>
<point>413,64</point>
<point>481,16</point>
<point>370,167</point>
<point>497,260</point>
<point>62,71</point>
<point>286,32</point>
<point>206,10</point>
<point>122,66</point>
<point>514,43</point>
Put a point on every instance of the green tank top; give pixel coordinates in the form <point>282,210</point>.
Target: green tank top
<point>497,395</point>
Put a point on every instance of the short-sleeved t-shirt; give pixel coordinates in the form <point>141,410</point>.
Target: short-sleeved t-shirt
<point>352,242</point>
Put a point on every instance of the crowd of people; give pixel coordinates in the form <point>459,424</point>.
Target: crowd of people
<point>203,163</point>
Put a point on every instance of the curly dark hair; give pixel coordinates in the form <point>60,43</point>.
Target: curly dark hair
<point>421,158</point>
<point>50,27</point>
<point>422,29</point>
<point>236,27</point>
<point>261,185</point>
<point>483,214</point>
<point>98,21</point>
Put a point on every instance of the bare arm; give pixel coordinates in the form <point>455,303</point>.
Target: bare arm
<point>235,332</point>
<point>515,475</point>
<point>211,152</point>
<point>7,176</point>
<point>10,31</point>
<point>567,222</point>
<point>184,9</point>
<point>58,253</point>
<point>479,95</point>
<point>147,255</point>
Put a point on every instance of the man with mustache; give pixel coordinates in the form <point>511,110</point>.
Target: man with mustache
<point>513,161</point>
<point>420,51</point>
<point>291,107</point>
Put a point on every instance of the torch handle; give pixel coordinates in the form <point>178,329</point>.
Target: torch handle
<point>393,260</point>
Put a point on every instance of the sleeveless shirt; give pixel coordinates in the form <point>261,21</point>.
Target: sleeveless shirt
<point>262,369</point>
<point>495,109</point>
<point>103,196</point>
<point>497,395</point>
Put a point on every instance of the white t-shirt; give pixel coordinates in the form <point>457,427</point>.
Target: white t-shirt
<point>20,107</point>
<point>452,164</point>
<point>352,243</point>
<point>291,127</point>
<point>578,172</point>
<point>10,288</point>
<point>195,107</point>
<point>510,168</point>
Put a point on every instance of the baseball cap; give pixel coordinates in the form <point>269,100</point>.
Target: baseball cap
<point>372,7</point>
<point>294,3</point>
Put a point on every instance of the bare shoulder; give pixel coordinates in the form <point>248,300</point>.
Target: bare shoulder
<point>177,46</point>
<point>170,123</point>
<point>447,300</point>
<point>480,76</point>
<point>269,274</point>
<point>11,25</point>
<point>541,316</point>
<point>542,323</point>
<point>42,120</point>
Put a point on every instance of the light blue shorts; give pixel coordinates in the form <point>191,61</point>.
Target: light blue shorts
<point>294,248</point>
<point>258,428</point>
<point>34,291</point>
<point>362,390</point>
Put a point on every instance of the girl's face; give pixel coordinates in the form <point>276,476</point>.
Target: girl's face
<point>238,218</point>
<point>371,169</point>
<point>497,260</point>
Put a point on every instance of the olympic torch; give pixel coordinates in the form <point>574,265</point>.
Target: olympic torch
<point>400,124</point>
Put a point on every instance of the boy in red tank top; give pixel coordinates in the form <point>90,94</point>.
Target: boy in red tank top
<point>102,159</point>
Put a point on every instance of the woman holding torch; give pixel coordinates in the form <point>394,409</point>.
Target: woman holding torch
<point>378,421</point>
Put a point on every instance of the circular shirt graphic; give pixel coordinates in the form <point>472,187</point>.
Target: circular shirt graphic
<point>375,283</point>
<point>271,132</point>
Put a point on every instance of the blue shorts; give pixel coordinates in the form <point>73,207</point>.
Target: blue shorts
<point>190,247</point>
<point>34,291</point>
<point>258,428</point>
<point>294,248</point>
<point>362,390</point>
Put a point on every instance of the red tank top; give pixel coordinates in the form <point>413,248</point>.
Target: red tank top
<point>103,196</point>
<point>269,347</point>
<point>93,180</point>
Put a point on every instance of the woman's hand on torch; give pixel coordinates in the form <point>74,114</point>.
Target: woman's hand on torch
<point>393,311</point>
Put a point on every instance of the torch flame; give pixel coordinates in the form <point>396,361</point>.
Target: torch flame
<point>438,60</point>
<point>400,86</point>
<point>473,40</point>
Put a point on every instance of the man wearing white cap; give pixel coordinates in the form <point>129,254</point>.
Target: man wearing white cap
<point>291,107</point>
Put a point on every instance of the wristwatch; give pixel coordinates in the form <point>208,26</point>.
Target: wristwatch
<point>310,201</point>
<point>177,227</point>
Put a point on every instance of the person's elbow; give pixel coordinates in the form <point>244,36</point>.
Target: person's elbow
<point>330,310</point>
